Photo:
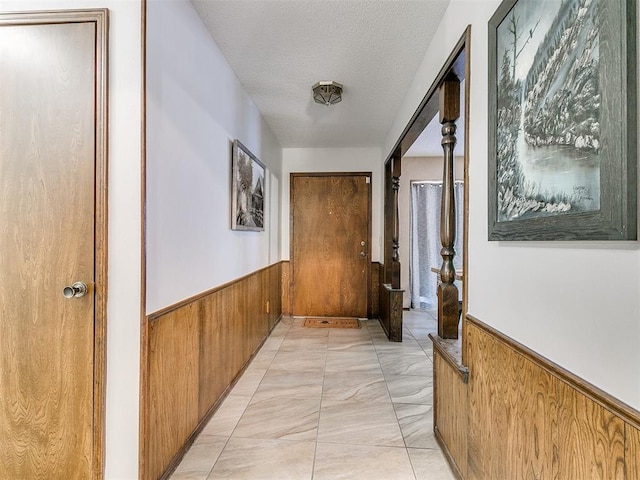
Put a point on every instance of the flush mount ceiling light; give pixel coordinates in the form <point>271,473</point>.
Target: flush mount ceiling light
<point>327,93</point>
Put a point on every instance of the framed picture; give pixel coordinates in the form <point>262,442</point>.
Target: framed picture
<point>563,120</point>
<point>247,189</point>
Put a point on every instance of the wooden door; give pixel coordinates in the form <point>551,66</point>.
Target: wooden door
<point>51,152</point>
<point>330,231</point>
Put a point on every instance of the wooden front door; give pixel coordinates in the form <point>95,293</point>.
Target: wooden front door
<point>52,209</point>
<point>330,254</point>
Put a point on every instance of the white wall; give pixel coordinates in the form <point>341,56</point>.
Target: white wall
<point>576,303</point>
<point>123,305</point>
<point>414,169</point>
<point>195,108</point>
<point>310,160</point>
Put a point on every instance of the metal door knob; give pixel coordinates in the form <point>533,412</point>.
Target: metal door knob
<point>77,290</point>
<point>362,254</point>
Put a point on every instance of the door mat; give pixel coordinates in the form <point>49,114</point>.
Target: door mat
<point>326,322</point>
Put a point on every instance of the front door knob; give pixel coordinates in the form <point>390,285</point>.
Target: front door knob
<point>363,254</point>
<point>77,290</point>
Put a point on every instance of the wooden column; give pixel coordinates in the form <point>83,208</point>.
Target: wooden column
<point>447,291</point>
<point>396,169</point>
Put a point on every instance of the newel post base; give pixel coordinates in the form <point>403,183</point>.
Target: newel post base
<point>448,310</point>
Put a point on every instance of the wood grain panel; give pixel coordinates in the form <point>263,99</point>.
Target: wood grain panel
<point>588,440</point>
<point>215,369</point>
<point>275,288</point>
<point>197,349</point>
<point>286,288</point>
<point>173,379</point>
<point>48,157</point>
<point>330,218</point>
<point>632,452</point>
<point>450,411</point>
<point>510,407</point>
<point>530,392</point>
<point>374,307</point>
<point>524,421</point>
<point>479,453</point>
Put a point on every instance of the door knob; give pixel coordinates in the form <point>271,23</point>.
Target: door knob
<point>362,254</point>
<point>77,290</point>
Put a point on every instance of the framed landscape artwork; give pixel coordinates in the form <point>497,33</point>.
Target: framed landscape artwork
<point>247,189</point>
<point>563,120</point>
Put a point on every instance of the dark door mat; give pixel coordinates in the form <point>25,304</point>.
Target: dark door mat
<point>330,322</point>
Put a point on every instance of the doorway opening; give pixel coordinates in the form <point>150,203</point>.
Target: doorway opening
<point>432,154</point>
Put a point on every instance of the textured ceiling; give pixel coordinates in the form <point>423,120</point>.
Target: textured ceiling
<point>280,48</point>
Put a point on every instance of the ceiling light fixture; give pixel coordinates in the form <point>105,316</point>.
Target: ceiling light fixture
<point>327,93</point>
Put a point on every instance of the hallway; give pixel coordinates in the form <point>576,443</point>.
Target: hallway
<point>327,404</point>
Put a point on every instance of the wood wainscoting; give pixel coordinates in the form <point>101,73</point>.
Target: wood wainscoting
<point>286,287</point>
<point>196,351</point>
<point>377,269</point>
<point>521,416</point>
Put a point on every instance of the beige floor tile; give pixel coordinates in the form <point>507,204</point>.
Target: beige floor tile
<point>362,362</point>
<point>349,344</point>
<point>401,364</point>
<point>200,458</point>
<point>328,393</point>
<point>262,360</point>
<point>416,424</point>
<point>280,418</point>
<point>304,343</point>
<point>282,383</point>
<point>226,417</point>
<point>406,347</point>
<point>361,462</point>
<point>430,464</point>
<point>249,381</point>
<point>355,386</point>
<point>272,343</point>
<point>300,361</point>
<point>422,333</point>
<point>357,423</point>
<point>252,459</point>
<point>410,389</point>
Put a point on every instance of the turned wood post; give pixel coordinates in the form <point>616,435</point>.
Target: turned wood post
<point>395,240</point>
<point>447,291</point>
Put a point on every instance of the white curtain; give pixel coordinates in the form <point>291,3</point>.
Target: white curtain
<point>426,199</point>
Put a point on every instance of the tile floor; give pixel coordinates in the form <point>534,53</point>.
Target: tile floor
<point>327,404</point>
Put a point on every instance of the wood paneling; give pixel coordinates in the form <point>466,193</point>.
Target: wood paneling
<point>196,350</point>
<point>216,368</point>
<point>525,419</point>
<point>632,452</point>
<point>374,307</point>
<point>390,302</point>
<point>173,380</point>
<point>529,392</point>
<point>588,440</point>
<point>286,288</point>
<point>330,244</point>
<point>450,407</point>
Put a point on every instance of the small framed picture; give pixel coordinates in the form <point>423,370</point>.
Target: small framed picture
<point>248,189</point>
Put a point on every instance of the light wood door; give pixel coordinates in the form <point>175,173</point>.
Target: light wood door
<point>48,197</point>
<point>330,227</point>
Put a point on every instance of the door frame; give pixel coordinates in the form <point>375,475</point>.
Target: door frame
<point>457,63</point>
<point>100,17</point>
<point>293,175</point>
